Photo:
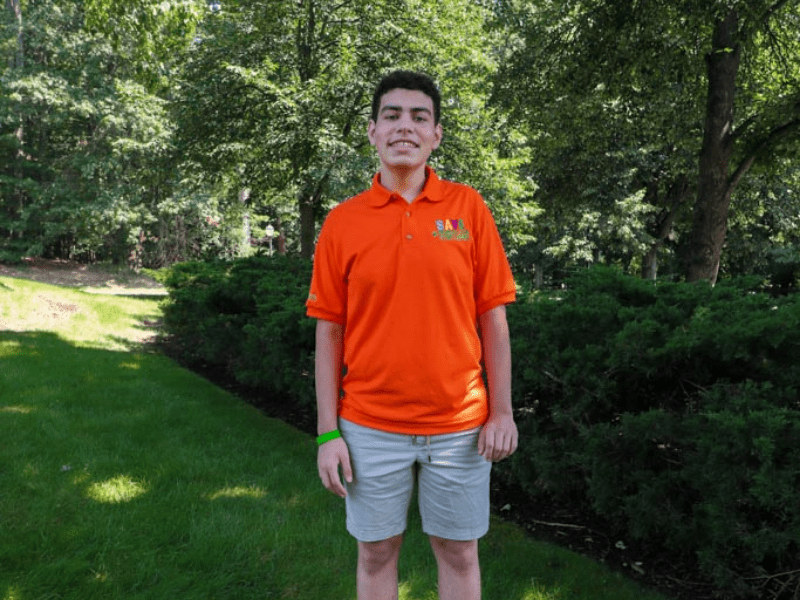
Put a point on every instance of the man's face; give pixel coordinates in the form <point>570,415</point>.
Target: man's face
<point>404,134</point>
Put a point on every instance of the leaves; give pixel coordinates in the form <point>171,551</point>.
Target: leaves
<point>613,96</point>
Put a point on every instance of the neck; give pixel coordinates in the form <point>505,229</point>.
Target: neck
<point>407,184</point>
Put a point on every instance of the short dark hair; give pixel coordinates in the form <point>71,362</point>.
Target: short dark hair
<point>407,80</point>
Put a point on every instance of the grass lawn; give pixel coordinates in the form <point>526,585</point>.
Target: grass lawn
<point>124,476</point>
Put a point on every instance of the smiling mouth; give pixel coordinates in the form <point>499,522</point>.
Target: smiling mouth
<point>403,144</point>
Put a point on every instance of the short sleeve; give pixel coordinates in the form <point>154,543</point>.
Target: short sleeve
<point>494,282</point>
<point>327,298</point>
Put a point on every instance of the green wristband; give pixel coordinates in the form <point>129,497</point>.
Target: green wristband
<point>327,437</point>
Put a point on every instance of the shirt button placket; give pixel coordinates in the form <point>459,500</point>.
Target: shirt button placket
<point>406,225</point>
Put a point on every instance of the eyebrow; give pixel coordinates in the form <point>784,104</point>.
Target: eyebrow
<point>416,109</point>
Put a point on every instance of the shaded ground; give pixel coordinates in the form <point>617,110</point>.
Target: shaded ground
<point>565,525</point>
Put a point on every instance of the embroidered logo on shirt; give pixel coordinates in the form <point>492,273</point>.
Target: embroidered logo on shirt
<point>451,229</point>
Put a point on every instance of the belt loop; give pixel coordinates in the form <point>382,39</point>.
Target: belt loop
<point>429,449</point>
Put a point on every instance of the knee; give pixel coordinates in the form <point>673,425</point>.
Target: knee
<point>376,556</point>
<point>459,556</point>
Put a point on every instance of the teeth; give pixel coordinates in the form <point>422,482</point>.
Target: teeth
<point>404,144</point>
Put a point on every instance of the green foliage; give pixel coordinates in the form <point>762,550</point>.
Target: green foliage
<point>246,317</point>
<point>88,168</point>
<point>275,98</point>
<point>612,95</point>
<point>91,148</point>
<point>153,32</point>
<point>671,409</point>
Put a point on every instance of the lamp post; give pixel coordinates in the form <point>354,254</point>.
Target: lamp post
<point>270,233</point>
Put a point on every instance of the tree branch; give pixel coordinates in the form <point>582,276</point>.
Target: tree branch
<point>773,9</point>
<point>765,17</point>
<point>772,137</point>
<point>742,129</point>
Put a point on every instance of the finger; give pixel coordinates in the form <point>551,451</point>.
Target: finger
<point>489,443</point>
<point>499,447</point>
<point>347,469</point>
<point>334,483</point>
<point>329,476</point>
<point>338,489</point>
<point>502,446</point>
<point>510,446</point>
<point>482,442</point>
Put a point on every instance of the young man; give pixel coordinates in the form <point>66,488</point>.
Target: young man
<point>405,275</point>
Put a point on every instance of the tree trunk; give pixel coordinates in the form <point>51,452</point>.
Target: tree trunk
<point>281,236</point>
<point>664,223</point>
<point>710,220</point>
<point>244,247</point>
<point>307,226</point>
<point>18,59</point>
<point>17,62</point>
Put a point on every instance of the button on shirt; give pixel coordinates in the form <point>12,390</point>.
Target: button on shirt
<point>408,282</point>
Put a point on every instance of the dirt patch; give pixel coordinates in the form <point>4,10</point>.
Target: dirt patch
<point>49,312</point>
<point>72,274</point>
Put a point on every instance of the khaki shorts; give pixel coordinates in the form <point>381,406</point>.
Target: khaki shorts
<point>453,483</point>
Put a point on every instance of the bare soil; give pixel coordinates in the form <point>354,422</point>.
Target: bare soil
<point>72,274</point>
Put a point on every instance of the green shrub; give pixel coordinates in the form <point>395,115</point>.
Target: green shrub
<point>671,409</point>
<point>246,317</point>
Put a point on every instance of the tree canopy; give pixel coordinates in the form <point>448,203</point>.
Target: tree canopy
<point>661,137</point>
<point>658,102</point>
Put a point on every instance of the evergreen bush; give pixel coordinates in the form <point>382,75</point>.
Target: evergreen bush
<point>247,318</point>
<point>671,409</point>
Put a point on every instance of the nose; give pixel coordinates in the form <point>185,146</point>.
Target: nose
<point>404,122</point>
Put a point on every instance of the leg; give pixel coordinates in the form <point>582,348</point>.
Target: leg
<point>459,570</point>
<point>377,503</point>
<point>454,504</point>
<point>377,569</point>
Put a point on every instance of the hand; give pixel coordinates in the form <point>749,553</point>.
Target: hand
<point>330,457</point>
<point>498,438</point>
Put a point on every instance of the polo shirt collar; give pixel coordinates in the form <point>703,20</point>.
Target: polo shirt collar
<point>432,191</point>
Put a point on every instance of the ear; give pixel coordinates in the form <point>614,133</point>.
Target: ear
<point>371,132</point>
<point>439,133</point>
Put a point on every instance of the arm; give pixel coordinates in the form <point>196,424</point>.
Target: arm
<point>499,436</point>
<point>327,371</point>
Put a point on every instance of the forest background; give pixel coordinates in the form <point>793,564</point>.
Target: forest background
<point>661,137</point>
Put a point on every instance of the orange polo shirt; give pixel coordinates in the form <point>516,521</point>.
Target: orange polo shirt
<point>408,283</point>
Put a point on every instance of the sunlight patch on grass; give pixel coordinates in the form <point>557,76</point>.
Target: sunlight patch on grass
<point>404,590</point>
<point>9,348</point>
<point>124,291</point>
<point>239,492</point>
<point>20,410</point>
<point>13,594</point>
<point>538,593</point>
<point>116,490</point>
